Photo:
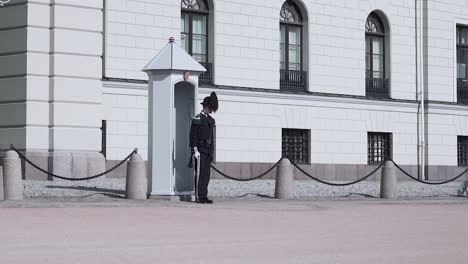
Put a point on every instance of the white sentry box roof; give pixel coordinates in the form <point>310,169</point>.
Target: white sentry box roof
<point>173,58</point>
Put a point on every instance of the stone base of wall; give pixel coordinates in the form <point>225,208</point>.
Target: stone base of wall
<point>333,172</point>
<point>329,172</point>
<point>2,192</point>
<point>67,164</point>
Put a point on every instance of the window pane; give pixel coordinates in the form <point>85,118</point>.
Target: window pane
<point>199,24</point>
<point>283,34</point>
<point>368,44</point>
<point>294,67</point>
<point>294,35</point>
<point>184,41</point>
<point>377,45</point>
<point>462,35</point>
<point>462,63</point>
<point>377,63</point>
<point>282,53</point>
<point>184,23</point>
<point>377,75</point>
<point>199,57</point>
<point>461,71</point>
<point>294,54</point>
<point>282,65</point>
<point>368,62</point>
<point>199,44</point>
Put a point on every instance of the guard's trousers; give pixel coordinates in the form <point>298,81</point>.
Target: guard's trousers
<point>204,177</point>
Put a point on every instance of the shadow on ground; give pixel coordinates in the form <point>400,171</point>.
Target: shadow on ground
<point>112,193</point>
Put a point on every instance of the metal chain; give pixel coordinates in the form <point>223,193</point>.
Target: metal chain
<point>248,179</point>
<point>135,151</point>
<point>331,183</point>
<point>425,182</point>
<point>300,169</point>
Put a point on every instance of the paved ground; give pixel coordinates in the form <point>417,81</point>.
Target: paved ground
<point>243,230</point>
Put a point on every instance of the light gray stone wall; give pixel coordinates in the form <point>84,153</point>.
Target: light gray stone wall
<point>445,122</point>
<point>246,41</point>
<point>126,112</point>
<point>135,32</point>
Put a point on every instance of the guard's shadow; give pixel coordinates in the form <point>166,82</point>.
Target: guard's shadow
<point>112,193</point>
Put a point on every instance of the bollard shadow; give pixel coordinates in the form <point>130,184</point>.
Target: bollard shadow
<point>360,194</point>
<point>256,194</point>
<point>458,195</point>
<point>112,193</point>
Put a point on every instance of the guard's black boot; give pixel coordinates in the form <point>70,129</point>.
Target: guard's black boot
<point>208,201</point>
<point>200,200</point>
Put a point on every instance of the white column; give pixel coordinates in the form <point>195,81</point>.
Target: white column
<point>75,87</point>
<point>24,75</point>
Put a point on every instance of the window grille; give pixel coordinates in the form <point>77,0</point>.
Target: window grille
<point>295,145</point>
<point>462,151</point>
<point>379,148</point>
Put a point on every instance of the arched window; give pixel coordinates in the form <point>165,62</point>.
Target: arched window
<point>376,81</point>
<point>195,35</point>
<point>194,29</point>
<point>292,76</point>
<point>462,64</point>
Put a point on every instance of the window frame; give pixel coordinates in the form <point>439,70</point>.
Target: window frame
<point>369,37</point>
<point>104,138</point>
<point>288,24</point>
<point>464,162</point>
<point>370,149</point>
<point>306,148</point>
<point>191,13</point>
<point>460,46</point>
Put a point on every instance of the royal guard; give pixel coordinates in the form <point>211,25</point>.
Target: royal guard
<point>202,144</point>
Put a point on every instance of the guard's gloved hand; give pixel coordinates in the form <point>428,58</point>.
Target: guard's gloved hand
<point>196,154</point>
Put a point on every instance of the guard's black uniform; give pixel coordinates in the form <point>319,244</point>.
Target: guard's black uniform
<point>202,137</point>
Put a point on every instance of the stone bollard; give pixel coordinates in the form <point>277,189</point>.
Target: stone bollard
<point>12,178</point>
<point>2,196</point>
<point>388,182</point>
<point>284,187</point>
<point>137,183</point>
<point>463,189</point>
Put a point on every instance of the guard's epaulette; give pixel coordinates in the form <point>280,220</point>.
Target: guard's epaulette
<point>196,120</point>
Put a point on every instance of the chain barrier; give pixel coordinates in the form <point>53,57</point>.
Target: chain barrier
<point>331,183</point>
<point>248,179</point>
<point>135,151</point>
<point>425,182</point>
<point>300,169</point>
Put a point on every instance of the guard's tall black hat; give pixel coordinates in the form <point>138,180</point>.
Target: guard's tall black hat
<point>211,101</point>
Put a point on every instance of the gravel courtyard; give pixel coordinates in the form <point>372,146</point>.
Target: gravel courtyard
<point>115,188</point>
